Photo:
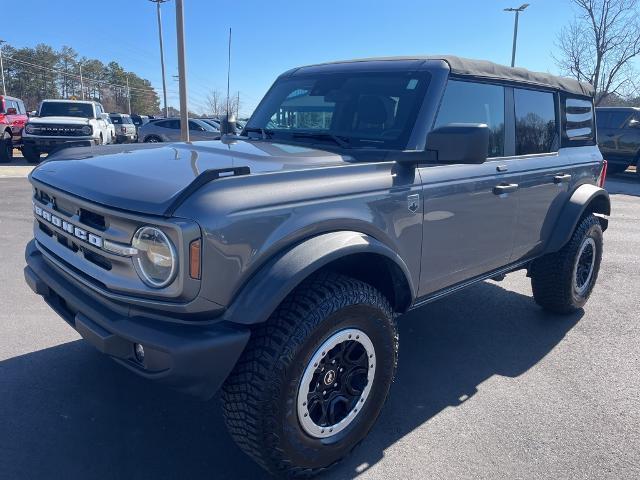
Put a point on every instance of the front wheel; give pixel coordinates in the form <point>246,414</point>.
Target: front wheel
<point>314,377</point>
<point>31,154</point>
<point>6,147</point>
<point>562,281</point>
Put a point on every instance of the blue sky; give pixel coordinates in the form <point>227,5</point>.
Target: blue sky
<point>272,36</point>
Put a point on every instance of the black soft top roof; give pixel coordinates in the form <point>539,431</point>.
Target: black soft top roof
<point>476,68</point>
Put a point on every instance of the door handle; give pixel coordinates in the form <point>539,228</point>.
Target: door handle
<point>505,188</point>
<point>566,178</point>
<point>502,168</point>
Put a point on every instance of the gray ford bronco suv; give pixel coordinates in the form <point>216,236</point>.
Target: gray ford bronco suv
<point>274,264</point>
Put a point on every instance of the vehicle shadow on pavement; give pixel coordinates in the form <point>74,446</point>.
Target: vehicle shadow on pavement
<point>67,412</point>
<point>447,349</point>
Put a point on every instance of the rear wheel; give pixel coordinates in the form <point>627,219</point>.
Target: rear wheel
<point>314,377</point>
<point>31,154</point>
<point>562,281</point>
<point>6,147</point>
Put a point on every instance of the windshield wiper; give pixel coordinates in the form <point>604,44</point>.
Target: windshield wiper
<point>266,134</point>
<point>340,141</point>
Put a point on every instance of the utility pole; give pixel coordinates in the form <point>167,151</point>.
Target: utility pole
<point>182,72</point>
<point>515,29</point>
<point>164,82</point>
<point>4,88</point>
<point>81,83</point>
<point>128,95</point>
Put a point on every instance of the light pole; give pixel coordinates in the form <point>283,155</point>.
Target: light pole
<point>515,29</point>
<point>4,88</point>
<point>182,73</point>
<point>164,82</point>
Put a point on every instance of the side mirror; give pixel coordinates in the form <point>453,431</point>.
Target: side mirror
<point>12,111</point>
<point>633,123</point>
<point>32,113</point>
<point>460,143</point>
<point>103,116</point>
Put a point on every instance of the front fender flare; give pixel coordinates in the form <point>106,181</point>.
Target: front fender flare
<point>262,294</point>
<point>582,198</point>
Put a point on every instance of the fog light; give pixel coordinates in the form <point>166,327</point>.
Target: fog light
<point>139,352</point>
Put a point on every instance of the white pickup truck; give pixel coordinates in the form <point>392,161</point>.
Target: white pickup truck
<point>62,121</point>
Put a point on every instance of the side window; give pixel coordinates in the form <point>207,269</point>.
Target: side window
<point>21,108</point>
<point>468,102</point>
<point>536,127</point>
<point>578,127</point>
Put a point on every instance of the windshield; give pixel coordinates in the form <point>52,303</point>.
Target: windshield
<point>206,127</point>
<point>120,120</point>
<point>62,109</point>
<point>212,123</point>
<point>366,110</point>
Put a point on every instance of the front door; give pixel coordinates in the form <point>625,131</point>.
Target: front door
<point>469,221</point>
<point>469,210</point>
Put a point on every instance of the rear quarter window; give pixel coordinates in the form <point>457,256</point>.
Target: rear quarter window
<point>578,126</point>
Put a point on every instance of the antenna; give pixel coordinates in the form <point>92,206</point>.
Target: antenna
<point>228,72</point>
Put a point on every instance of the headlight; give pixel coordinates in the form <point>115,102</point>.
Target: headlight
<point>30,128</point>
<point>156,260</point>
<point>86,130</point>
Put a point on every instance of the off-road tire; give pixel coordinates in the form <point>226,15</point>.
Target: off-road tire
<point>6,147</point>
<point>552,276</point>
<point>31,154</point>
<point>260,396</point>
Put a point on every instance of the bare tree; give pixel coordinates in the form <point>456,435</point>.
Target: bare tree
<point>216,103</point>
<point>599,45</point>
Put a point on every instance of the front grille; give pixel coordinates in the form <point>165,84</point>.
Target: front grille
<point>59,130</point>
<point>92,219</point>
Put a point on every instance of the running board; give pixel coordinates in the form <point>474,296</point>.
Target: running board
<point>495,274</point>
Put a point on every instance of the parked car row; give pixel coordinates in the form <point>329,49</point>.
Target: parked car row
<point>59,123</point>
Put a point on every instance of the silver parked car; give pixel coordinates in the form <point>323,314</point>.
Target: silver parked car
<point>126,131</point>
<point>168,130</point>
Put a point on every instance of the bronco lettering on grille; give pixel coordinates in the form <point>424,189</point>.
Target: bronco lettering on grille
<point>68,227</point>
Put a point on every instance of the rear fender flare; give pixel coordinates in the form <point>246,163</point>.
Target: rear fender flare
<point>586,198</point>
<point>261,295</point>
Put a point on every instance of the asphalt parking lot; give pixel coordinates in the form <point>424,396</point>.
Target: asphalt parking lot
<point>489,386</point>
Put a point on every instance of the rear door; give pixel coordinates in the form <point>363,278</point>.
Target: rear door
<point>469,210</point>
<point>548,172</point>
<point>544,174</point>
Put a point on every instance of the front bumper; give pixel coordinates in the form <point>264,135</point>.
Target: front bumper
<point>126,137</point>
<point>195,359</point>
<point>46,144</point>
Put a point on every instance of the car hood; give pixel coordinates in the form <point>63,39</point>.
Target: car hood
<point>58,120</point>
<point>148,178</point>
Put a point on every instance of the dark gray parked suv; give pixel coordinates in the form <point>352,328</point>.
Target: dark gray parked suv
<point>274,264</point>
<point>619,137</point>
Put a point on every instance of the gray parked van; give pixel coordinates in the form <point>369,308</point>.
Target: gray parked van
<point>275,264</point>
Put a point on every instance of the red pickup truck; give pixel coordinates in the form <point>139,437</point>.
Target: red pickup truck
<point>13,117</point>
